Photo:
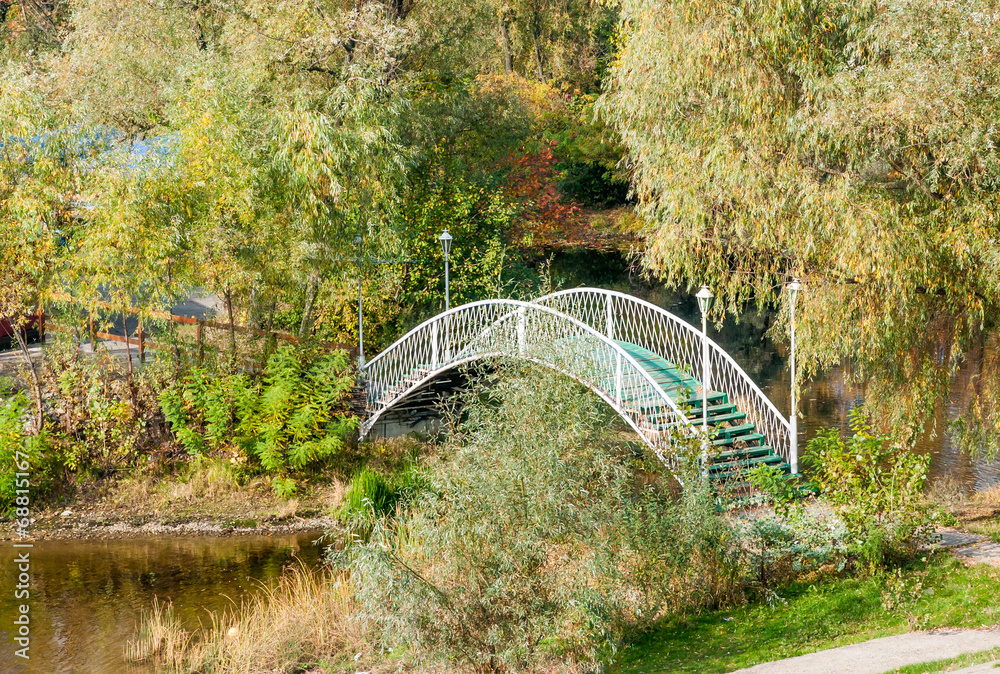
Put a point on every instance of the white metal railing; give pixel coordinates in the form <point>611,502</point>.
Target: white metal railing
<point>625,318</point>
<point>532,331</point>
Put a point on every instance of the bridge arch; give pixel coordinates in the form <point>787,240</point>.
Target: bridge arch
<point>533,332</point>
<point>643,361</point>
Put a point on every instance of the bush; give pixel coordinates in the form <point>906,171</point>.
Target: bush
<point>15,444</point>
<point>780,548</point>
<point>99,416</point>
<point>295,416</point>
<point>541,537</point>
<point>875,488</point>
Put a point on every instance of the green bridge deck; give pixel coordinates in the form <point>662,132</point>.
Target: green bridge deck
<point>738,446</point>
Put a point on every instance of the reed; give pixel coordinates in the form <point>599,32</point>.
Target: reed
<point>308,617</point>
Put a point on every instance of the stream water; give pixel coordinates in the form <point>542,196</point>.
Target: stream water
<point>87,596</point>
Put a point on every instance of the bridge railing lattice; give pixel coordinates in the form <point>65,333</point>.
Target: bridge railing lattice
<point>510,328</point>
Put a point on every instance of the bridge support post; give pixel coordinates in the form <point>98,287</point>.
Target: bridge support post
<point>609,322</point>
<point>705,298</point>
<point>435,356</point>
<point>521,337</point>
<point>618,379</point>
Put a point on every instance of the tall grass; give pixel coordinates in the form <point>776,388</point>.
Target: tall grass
<point>307,618</point>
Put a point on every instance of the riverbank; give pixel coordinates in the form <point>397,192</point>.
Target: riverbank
<point>205,503</point>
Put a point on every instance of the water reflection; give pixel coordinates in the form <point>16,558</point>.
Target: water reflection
<point>86,596</point>
<point>826,400</point>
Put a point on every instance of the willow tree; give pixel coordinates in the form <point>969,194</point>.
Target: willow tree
<point>849,144</point>
<point>278,126</point>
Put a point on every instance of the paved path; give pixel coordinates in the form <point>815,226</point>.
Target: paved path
<point>884,655</point>
<point>969,548</point>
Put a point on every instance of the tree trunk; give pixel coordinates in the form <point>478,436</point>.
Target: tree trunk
<point>128,346</point>
<point>36,388</point>
<point>270,338</point>
<point>538,57</point>
<point>129,379</point>
<point>232,325</point>
<point>508,48</point>
<point>308,308</point>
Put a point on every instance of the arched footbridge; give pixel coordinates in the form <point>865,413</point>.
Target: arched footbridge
<point>646,363</point>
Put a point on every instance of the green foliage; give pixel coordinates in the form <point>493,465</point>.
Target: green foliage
<point>372,495</point>
<point>591,184</point>
<point>875,488</point>
<point>101,418</point>
<point>780,488</point>
<point>779,549</point>
<point>284,487</point>
<point>17,446</point>
<point>540,538</point>
<point>829,141</point>
<point>293,417</point>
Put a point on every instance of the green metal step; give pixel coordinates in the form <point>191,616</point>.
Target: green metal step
<point>733,431</point>
<point>722,418</point>
<point>741,474</point>
<point>713,397</point>
<point>749,437</point>
<point>744,453</point>
<point>744,464</point>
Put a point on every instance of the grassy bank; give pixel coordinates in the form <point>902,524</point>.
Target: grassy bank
<point>810,617</point>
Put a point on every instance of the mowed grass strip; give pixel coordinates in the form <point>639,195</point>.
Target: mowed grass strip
<point>812,617</point>
<point>951,664</point>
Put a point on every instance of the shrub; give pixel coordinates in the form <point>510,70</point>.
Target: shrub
<point>541,537</point>
<point>779,548</point>
<point>99,416</point>
<point>296,415</point>
<point>16,444</point>
<point>876,489</point>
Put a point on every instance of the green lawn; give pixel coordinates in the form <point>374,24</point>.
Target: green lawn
<point>951,664</point>
<point>820,616</point>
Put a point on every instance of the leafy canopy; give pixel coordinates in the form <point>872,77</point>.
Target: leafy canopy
<point>851,145</point>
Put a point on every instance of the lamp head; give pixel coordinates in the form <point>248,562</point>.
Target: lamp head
<point>445,240</point>
<point>793,289</point>
<point>705,299</point>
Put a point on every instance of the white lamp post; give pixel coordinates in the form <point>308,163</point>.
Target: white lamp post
<point>361,321</point>
<point>705,299</point>
<point>793,420</point>
<point>446,240</point>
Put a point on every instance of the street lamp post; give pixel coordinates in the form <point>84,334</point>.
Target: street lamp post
<point>705,299</point>
<point>446,240</point>
<point>361,320</point>
<point>793,420</point>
